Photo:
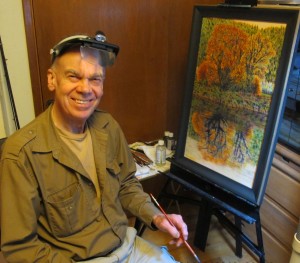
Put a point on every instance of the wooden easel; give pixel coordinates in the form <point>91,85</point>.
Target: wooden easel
<point>212,202</point>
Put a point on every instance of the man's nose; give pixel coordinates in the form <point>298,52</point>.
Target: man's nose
<point>84,85</point>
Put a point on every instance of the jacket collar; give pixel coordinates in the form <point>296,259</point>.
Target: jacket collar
<point>46,137</point>
<point>47,140</point>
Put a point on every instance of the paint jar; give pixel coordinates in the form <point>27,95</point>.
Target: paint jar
<point>170,141</point>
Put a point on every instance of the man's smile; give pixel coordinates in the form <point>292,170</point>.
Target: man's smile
<point>82,101</point>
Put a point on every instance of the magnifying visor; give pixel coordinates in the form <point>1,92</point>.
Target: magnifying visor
<point>94,50</point>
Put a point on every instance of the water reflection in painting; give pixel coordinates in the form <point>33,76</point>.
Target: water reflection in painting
<point>233,88</point>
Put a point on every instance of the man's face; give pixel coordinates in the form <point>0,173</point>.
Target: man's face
<point>78,87</point>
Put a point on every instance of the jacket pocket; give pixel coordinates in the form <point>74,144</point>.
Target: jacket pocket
<point>68,210</point>
<point>113,170</point>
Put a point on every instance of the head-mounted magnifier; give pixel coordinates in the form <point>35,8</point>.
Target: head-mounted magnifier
<point>95,49</point>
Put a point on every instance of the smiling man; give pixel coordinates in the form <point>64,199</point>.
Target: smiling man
<point>68,177</point>
<point>78,87</point>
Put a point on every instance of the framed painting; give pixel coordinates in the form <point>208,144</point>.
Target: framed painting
<point>238,67</point>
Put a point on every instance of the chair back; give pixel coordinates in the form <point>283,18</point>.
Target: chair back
<point>1,142</point>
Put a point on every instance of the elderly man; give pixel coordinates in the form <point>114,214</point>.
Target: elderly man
<point>68,177</point>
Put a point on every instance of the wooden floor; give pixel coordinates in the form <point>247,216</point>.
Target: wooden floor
<point>220,247</point>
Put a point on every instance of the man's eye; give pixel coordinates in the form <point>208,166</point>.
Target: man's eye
<point>96,81</point>
<point>73,78</point>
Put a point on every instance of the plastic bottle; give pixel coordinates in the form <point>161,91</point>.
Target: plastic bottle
<point>160,153</point>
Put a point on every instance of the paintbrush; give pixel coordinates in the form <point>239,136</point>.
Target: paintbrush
<point>184,241</point>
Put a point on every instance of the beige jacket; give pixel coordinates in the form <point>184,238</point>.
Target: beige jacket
<point>49,209</point>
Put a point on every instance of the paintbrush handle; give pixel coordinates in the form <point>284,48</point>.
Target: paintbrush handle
<point>171,223</point>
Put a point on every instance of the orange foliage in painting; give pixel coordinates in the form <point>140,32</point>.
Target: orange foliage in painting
<point>224,54</point>
<point>234,58</point>
<point>198,122</point>
<point>257,86</point>
<point>258,54</point>
<point>202,71</point>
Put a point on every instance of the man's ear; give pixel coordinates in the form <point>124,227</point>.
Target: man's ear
<point>51,78</point>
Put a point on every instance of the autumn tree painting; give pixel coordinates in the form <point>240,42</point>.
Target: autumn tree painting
<point>233,58</point>
<point>233,87</point>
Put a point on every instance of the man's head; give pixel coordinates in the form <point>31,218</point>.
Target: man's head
<point>76,77</point>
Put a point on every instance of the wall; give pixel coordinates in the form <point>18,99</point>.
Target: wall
<point>15,49</point>
<point>144,88</point>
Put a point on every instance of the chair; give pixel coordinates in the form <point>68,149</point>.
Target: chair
<point>1,142</point>
<point>2,260</point>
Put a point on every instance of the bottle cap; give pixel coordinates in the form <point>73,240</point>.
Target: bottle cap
<point>171,134</point>
<point>161,142</point>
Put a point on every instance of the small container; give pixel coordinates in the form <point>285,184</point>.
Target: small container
<point>170,141</point>
<point>160,153</point>
<point>166,137</point>
<point>295,257</point>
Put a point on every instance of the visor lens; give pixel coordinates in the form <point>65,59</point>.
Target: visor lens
<point>93,55</point>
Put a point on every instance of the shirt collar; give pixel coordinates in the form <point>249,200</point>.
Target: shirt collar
<point>46,137</point>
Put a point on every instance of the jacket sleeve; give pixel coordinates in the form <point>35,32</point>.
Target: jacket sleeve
<point>19,210</point>
<point>132,196</point>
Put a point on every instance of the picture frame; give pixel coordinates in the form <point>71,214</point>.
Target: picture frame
<point>238,65</point>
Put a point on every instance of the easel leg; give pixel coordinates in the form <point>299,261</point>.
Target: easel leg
<point>260,243</point>
<point>203,223</point>
<point>238,239</point>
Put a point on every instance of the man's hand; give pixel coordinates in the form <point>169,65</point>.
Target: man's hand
<point>178,230</point>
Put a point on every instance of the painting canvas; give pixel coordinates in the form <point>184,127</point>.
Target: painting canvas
<point>235,89</point>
